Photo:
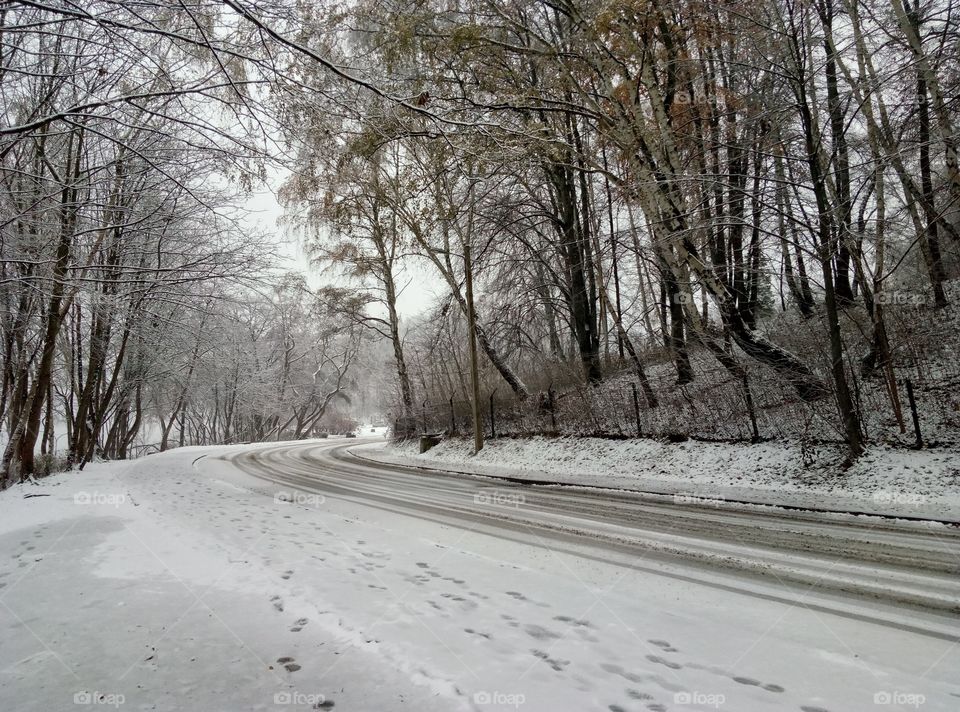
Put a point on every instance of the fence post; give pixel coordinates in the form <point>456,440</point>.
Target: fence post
<point>636,409</point>
<point>493,425</point>
<point>423,414</point>
<point>553,411</point>
<point>913,414</point>
<point>453,418</point>
<point>748,396</point>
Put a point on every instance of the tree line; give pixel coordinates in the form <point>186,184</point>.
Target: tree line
<point>650,177</point>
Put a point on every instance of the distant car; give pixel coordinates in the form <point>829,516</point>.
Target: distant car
<point>350,435</point>
<point>373,430</point>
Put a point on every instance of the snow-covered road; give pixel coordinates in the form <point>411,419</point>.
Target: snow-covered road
<point>914,563</point>
<point>276,577</point>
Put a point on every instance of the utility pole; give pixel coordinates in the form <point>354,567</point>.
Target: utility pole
<point>474,369</point>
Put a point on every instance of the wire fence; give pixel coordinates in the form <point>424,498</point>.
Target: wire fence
<point>714,408</point>
<point>611,412</point>
<point>914,402</point>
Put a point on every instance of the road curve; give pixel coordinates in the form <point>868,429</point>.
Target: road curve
<point>857,566</point>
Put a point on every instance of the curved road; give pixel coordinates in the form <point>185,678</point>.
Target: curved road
<point>895,572</point>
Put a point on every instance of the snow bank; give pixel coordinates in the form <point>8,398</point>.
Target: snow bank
<point>142,585</point>
<point>905,483</point>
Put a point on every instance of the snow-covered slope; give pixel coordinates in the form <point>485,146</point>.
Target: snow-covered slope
<point>907,483</point>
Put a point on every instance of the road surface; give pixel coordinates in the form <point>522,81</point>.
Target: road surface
<point>885,565</point>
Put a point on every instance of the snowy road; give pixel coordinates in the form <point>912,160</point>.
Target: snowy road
<point>579,600</point>
<point>286,576</point>
<point>906,563</point>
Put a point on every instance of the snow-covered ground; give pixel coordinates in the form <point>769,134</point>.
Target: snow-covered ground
<point>172,583</point>
<point>906,483</point>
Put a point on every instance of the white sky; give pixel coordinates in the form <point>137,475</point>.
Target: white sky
<point>419,287</point>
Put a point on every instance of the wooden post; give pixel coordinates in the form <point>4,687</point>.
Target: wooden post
<point>474,369</point>
<point>748,397</point>
<point>553,413</point>
<point>636,409</point>
<point>891,381</point>
<point>493,424</point>
<point>914,414</point>
<point>453,418</point>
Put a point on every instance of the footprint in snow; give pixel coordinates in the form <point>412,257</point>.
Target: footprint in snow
<point>756,683</point>
<point>277,603</point>
<point>298,626</point>
<point>576,622</point>
<point>539,632</point>
<point>288,664</point>
<point>520,597</point>
<point>554,663</point>
<point>471,631</point>
<point>617,670</point>
<point>661,661</point>
<point>286,575</point>
<point>663,645</point>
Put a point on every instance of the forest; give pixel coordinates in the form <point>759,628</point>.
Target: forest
<point>723,220</point>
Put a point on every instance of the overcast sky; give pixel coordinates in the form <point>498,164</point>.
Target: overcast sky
<point>419,285</point>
